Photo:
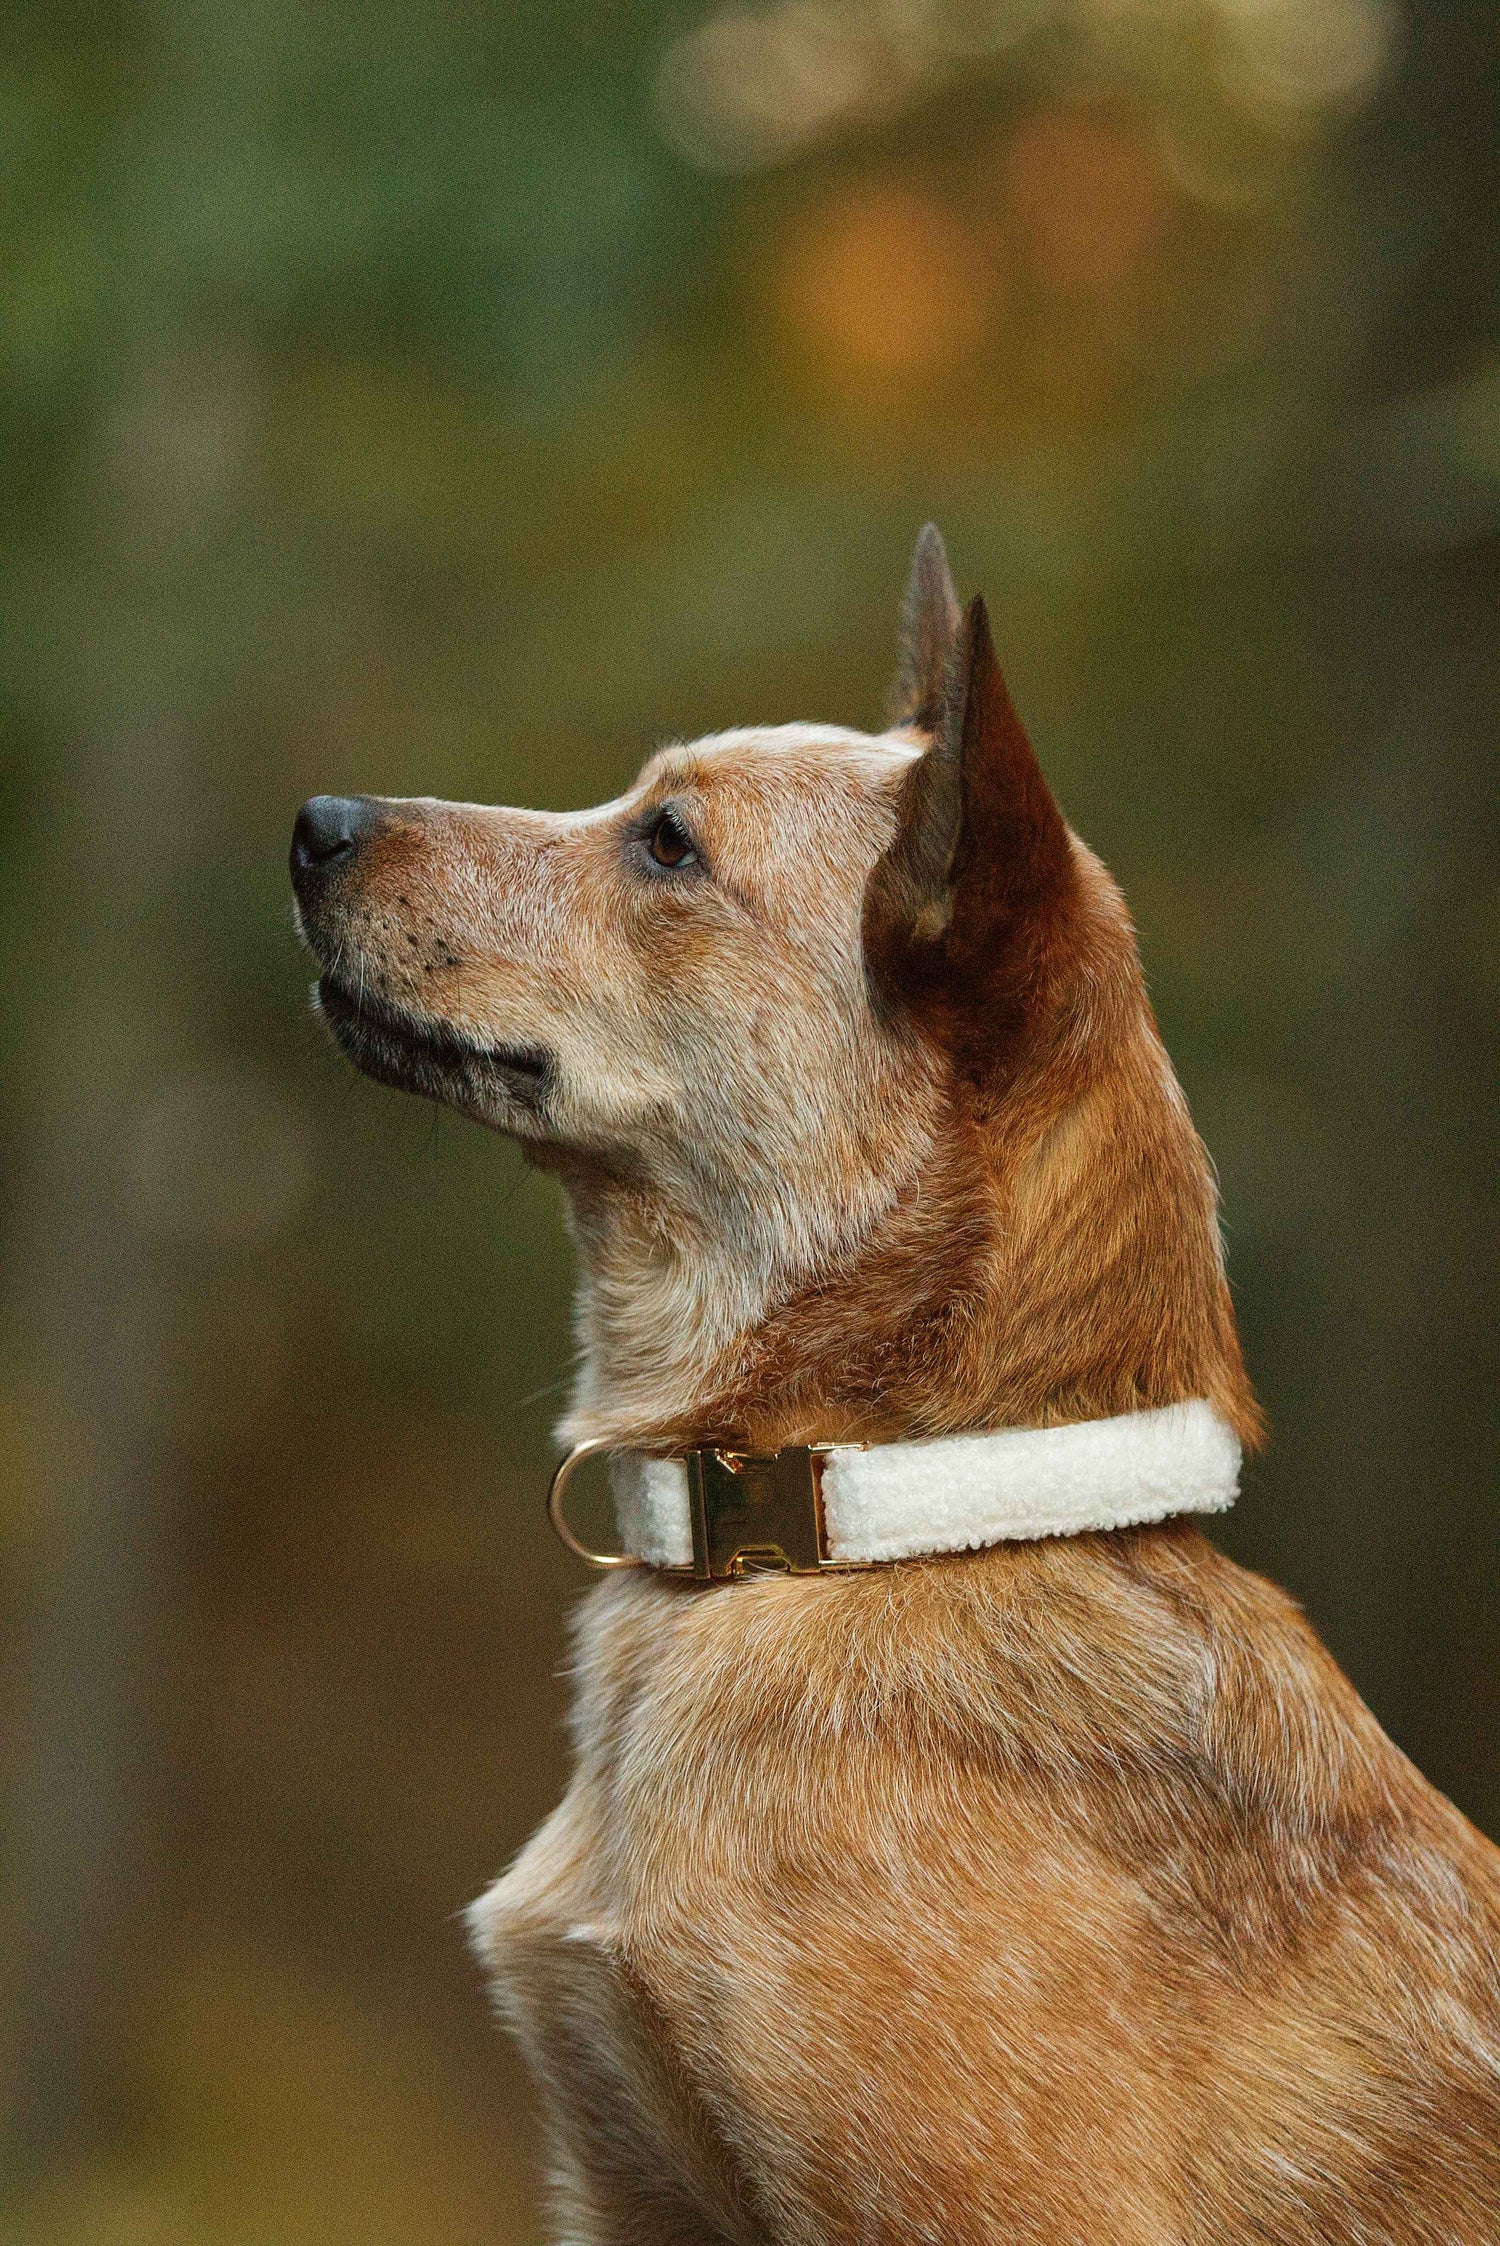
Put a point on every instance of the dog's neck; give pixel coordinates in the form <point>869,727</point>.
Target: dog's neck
<point>1048,1258</point>
<point>677,1303</point>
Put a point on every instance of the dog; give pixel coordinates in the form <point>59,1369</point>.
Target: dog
<point>1026,1872</point>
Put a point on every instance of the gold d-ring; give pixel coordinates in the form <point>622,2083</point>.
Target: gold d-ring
<point>558,1490</point>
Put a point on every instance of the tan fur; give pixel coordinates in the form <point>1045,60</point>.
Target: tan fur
<point>1064,1892</point>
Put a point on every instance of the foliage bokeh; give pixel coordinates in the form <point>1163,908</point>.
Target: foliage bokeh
<point>458,399</point>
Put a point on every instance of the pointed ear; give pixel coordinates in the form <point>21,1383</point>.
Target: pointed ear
<point>930,621</point>
<point>968,915</point>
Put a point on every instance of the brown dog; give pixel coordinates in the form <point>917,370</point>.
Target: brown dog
<point>1057,1891</point>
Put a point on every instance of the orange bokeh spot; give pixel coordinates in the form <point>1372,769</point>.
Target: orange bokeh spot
<point>883,282</point>
<point>1086,198</point>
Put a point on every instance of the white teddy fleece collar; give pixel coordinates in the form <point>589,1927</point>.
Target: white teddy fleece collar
<point>953,1493</point>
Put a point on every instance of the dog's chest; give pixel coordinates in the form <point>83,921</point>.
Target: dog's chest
<point>768,1960</point>
<point>977,1903</point>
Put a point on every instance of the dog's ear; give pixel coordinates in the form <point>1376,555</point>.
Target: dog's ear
<point>930,623</point>
<point>966,915</point>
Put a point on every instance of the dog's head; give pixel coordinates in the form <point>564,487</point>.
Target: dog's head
<point>730,961</point>
<point>791,980</point>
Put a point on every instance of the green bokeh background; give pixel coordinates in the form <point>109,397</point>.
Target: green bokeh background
<point>460,399</point>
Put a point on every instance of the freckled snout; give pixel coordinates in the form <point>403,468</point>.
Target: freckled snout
<point>327,836</point>
<point>374,906</point>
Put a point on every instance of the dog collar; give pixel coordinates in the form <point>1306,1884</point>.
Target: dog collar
<point>714,1515</point>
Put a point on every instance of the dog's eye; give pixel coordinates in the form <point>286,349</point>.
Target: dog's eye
<point>669,842</point>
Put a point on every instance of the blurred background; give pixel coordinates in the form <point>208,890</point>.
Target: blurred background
<point>449,397</point>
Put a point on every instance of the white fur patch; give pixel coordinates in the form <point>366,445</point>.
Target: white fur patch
<point>957,1493</point>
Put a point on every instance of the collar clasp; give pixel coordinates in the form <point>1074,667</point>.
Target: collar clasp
<point>756,1513</point>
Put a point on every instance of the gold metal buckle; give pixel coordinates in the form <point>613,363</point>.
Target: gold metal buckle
<point>756,1513</point>
<point>752,1513</point>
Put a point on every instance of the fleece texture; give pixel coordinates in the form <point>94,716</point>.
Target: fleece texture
<point>956,1493</point>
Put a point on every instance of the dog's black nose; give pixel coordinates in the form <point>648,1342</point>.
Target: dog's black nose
<point>329,828</point>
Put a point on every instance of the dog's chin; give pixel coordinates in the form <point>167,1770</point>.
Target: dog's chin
<point>503,1085</point>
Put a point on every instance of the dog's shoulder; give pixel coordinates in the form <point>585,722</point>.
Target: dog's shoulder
<point>876,1856</point>
<point>1177,1714</point>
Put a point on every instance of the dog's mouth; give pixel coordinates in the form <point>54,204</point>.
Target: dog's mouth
<point>432,1058</point>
